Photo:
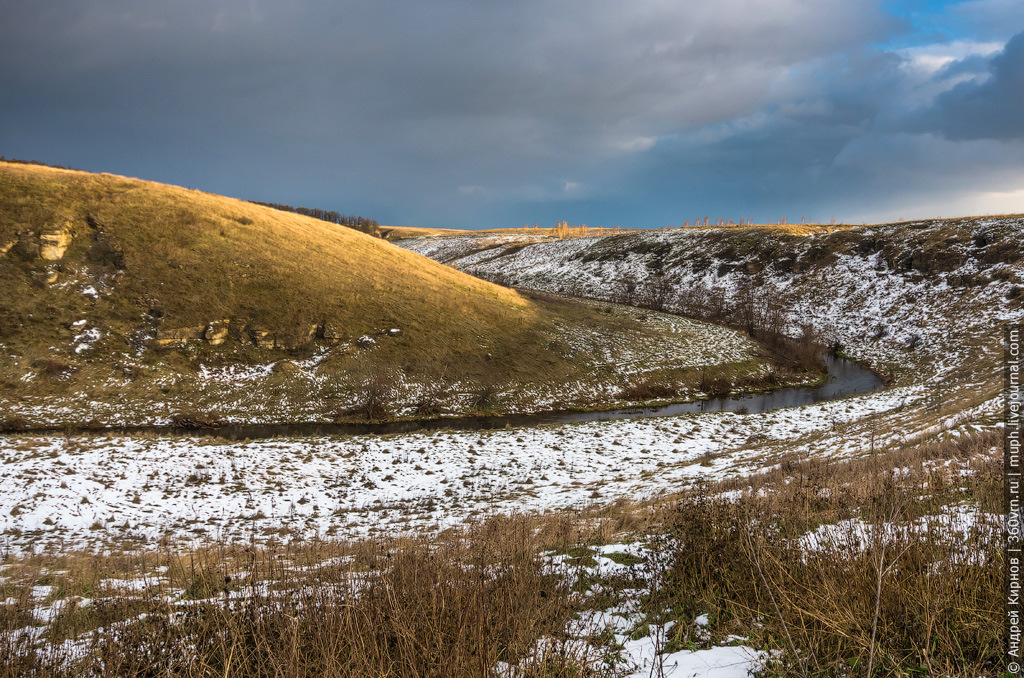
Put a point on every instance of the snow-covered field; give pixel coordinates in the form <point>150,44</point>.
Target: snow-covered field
<point>96,491</point>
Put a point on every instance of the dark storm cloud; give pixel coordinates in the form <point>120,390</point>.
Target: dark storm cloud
<point>470,113</point>
<point>991,109</point>
<point>399,101</point>
<point>835,142</point>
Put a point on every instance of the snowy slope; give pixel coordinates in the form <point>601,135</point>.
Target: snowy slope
<point>919,301</point>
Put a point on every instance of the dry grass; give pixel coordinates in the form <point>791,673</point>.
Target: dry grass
<point>152,258</point>
<point>454,607</point>
<point>199,257</point>
<point>399,232</point>
<point>888,588</point>
<point>789,229</point>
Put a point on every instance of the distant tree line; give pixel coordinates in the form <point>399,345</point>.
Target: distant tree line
<point>358,223</point>
<point>18,161</point>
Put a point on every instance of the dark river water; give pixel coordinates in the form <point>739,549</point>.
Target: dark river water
<point>845,378</point>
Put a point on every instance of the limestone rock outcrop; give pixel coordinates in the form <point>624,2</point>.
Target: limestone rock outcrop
<point>54,242</point>
<point>331,333</point>
<point>179,335</point>
<point>261,337</point>
<point>216,332</point>
<point>49,244</point>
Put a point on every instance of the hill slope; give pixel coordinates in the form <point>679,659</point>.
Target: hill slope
<point>131,302</point>
<point>190,258</point>
<point>921,302</point>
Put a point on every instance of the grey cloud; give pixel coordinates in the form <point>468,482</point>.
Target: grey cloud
<point>837,145</point>
<point>457,112</point>
<point>992,109</point>
<point>494,88</point>
<point>973,65</point>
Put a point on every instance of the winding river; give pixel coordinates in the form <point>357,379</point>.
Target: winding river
<point>845,378</point>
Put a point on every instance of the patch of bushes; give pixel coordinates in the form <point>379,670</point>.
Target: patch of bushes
<point>196,420</point>
<point>454,609</point>
<point>375,397</point>
<point>12,424</point>
<point>485,395</point>
<point>648,389</point>
<point>838,576</point>
<point>431,400</point>
<point>715,382</point>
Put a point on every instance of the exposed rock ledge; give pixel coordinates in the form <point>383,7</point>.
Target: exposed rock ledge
<point>49,244</point>
<point>217,332</point>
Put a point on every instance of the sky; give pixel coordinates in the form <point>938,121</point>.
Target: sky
<point>471,114</point>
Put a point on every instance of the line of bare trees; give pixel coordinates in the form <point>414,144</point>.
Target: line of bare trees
<point>756,308</point>
<point>331,216</point>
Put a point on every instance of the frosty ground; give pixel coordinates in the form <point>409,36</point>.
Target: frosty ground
<point>931,328</point>
<point>96,491</point>
<point>611,634</point>
<point>921,303</point>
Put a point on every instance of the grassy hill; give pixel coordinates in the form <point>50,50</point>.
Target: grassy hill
<point>128,301</point>
<point>191,258</point>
